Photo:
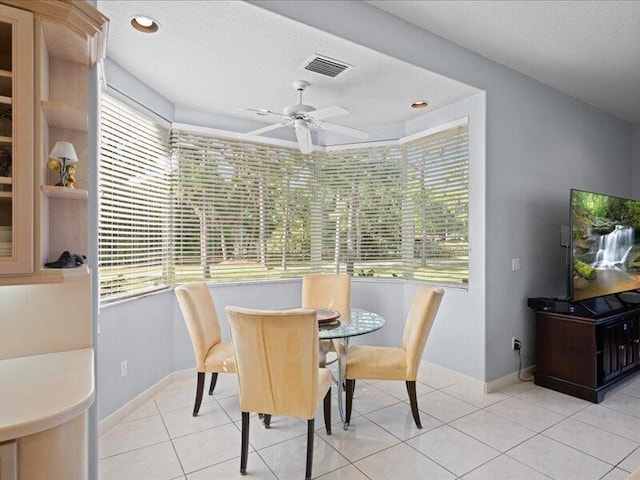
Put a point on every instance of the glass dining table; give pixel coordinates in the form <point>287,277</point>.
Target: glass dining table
<point>360,323</point>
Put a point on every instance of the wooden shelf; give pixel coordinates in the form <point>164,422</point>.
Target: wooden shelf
<point>60,115</point>
<point>5,82</point>
<point>5,100</point>
<point>59,275</point>
<point>5,139</point>
<point>6,74</point>
<point>53,191</point>
<point>6,195</point>
<point>6,180</point>
<point>47,276</point>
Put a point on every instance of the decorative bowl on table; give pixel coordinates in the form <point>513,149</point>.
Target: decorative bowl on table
<point>327,316</point>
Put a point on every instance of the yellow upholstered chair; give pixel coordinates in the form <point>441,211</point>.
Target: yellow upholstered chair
<point>390,363</point>
<point>277,360</point>
<point>212,354</point>
<point>328,291</point>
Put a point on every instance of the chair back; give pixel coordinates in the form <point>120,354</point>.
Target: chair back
<point>328,291</point>
<point>422,314</point>
<point>276,359</point>
<point>199,312</point>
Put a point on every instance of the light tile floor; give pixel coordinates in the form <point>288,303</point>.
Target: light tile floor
<point>521,432</point>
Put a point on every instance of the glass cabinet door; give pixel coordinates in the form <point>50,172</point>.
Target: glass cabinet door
<point>6,150</point>
<point>16,141</point>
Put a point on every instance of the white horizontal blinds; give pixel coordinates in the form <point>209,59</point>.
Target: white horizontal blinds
<point>438,199</point>
<point>240,210</point>
<point>134,229</point>
<point>361,211</point>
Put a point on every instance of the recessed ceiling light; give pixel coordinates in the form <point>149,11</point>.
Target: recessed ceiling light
<point>420,104</point>
<point>144,24</point>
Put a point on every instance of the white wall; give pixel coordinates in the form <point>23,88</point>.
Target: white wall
<point>539,144</point>
<point>139,331</point>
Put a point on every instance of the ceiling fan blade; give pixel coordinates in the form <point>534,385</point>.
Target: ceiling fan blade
<point>334,127</point>
<point>327,113</point>
<point>303,134</point>
<point>268,128</point>
<point>266,113</point>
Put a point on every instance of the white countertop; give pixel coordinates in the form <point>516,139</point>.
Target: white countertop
<point>42,391</point>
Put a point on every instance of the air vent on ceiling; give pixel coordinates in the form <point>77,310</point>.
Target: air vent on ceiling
<point>326,66</point>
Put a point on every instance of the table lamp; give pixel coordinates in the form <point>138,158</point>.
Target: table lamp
<point>63,156</point>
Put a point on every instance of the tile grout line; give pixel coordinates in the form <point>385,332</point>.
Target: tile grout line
<point>170,439</point>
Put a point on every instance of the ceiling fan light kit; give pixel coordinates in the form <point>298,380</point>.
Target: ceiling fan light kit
<point>302,117</point>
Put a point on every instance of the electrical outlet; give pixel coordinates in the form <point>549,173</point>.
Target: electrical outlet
<point>123,368</point>
<point>516,344</point>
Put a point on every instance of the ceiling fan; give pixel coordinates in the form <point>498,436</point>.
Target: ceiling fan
<point>302,117</point>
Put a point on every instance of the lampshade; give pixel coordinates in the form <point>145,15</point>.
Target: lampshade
<point>64,151</point>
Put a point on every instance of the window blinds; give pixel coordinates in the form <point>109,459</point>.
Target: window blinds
<point>361,193</point>
<point>189,207</point>
<point>134,235</point>
<point>240,210</point>
<point>438,206</point>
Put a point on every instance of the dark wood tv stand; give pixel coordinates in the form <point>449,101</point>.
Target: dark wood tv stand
<point>584,353</point>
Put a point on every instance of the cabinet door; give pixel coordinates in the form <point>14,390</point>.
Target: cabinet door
<point>634,342</point>
<point>611,364</point>
<point>626,345</point>
<point>16,141</point>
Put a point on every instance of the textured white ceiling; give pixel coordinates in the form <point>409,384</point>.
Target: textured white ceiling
<point>223,56</point>
<point>588,49</point>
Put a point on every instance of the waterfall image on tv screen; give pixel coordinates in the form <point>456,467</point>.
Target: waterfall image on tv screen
<point>605,244</point>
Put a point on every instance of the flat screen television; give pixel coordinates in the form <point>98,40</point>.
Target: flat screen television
<point>605,245</point>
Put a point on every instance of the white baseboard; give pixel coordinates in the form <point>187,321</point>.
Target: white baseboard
<point>128,408</point>
<point>501,382</point>
<point>455,376</point>
<point>478,385</point>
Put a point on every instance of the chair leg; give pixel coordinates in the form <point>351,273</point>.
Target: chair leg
<point>411,390</point>
<point>244,451</point>
<point>266,419</point>
<point>327,411</point>
<point>310,424</point>
<point>214,379</point>
<point>351,387</point>
<point>199,390</point>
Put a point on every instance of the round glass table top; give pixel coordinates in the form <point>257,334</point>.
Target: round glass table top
<point>361,322</point>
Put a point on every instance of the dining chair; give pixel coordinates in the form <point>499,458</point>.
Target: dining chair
<point>277,361</point>
<point>212,354</point>
<point>396,363</point>
<point>328,291</point>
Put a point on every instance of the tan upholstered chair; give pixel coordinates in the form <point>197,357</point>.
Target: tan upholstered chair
<point>277,360</point>
<point>212,355</point>
<point>389,363</point>
<point>328,291</point>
